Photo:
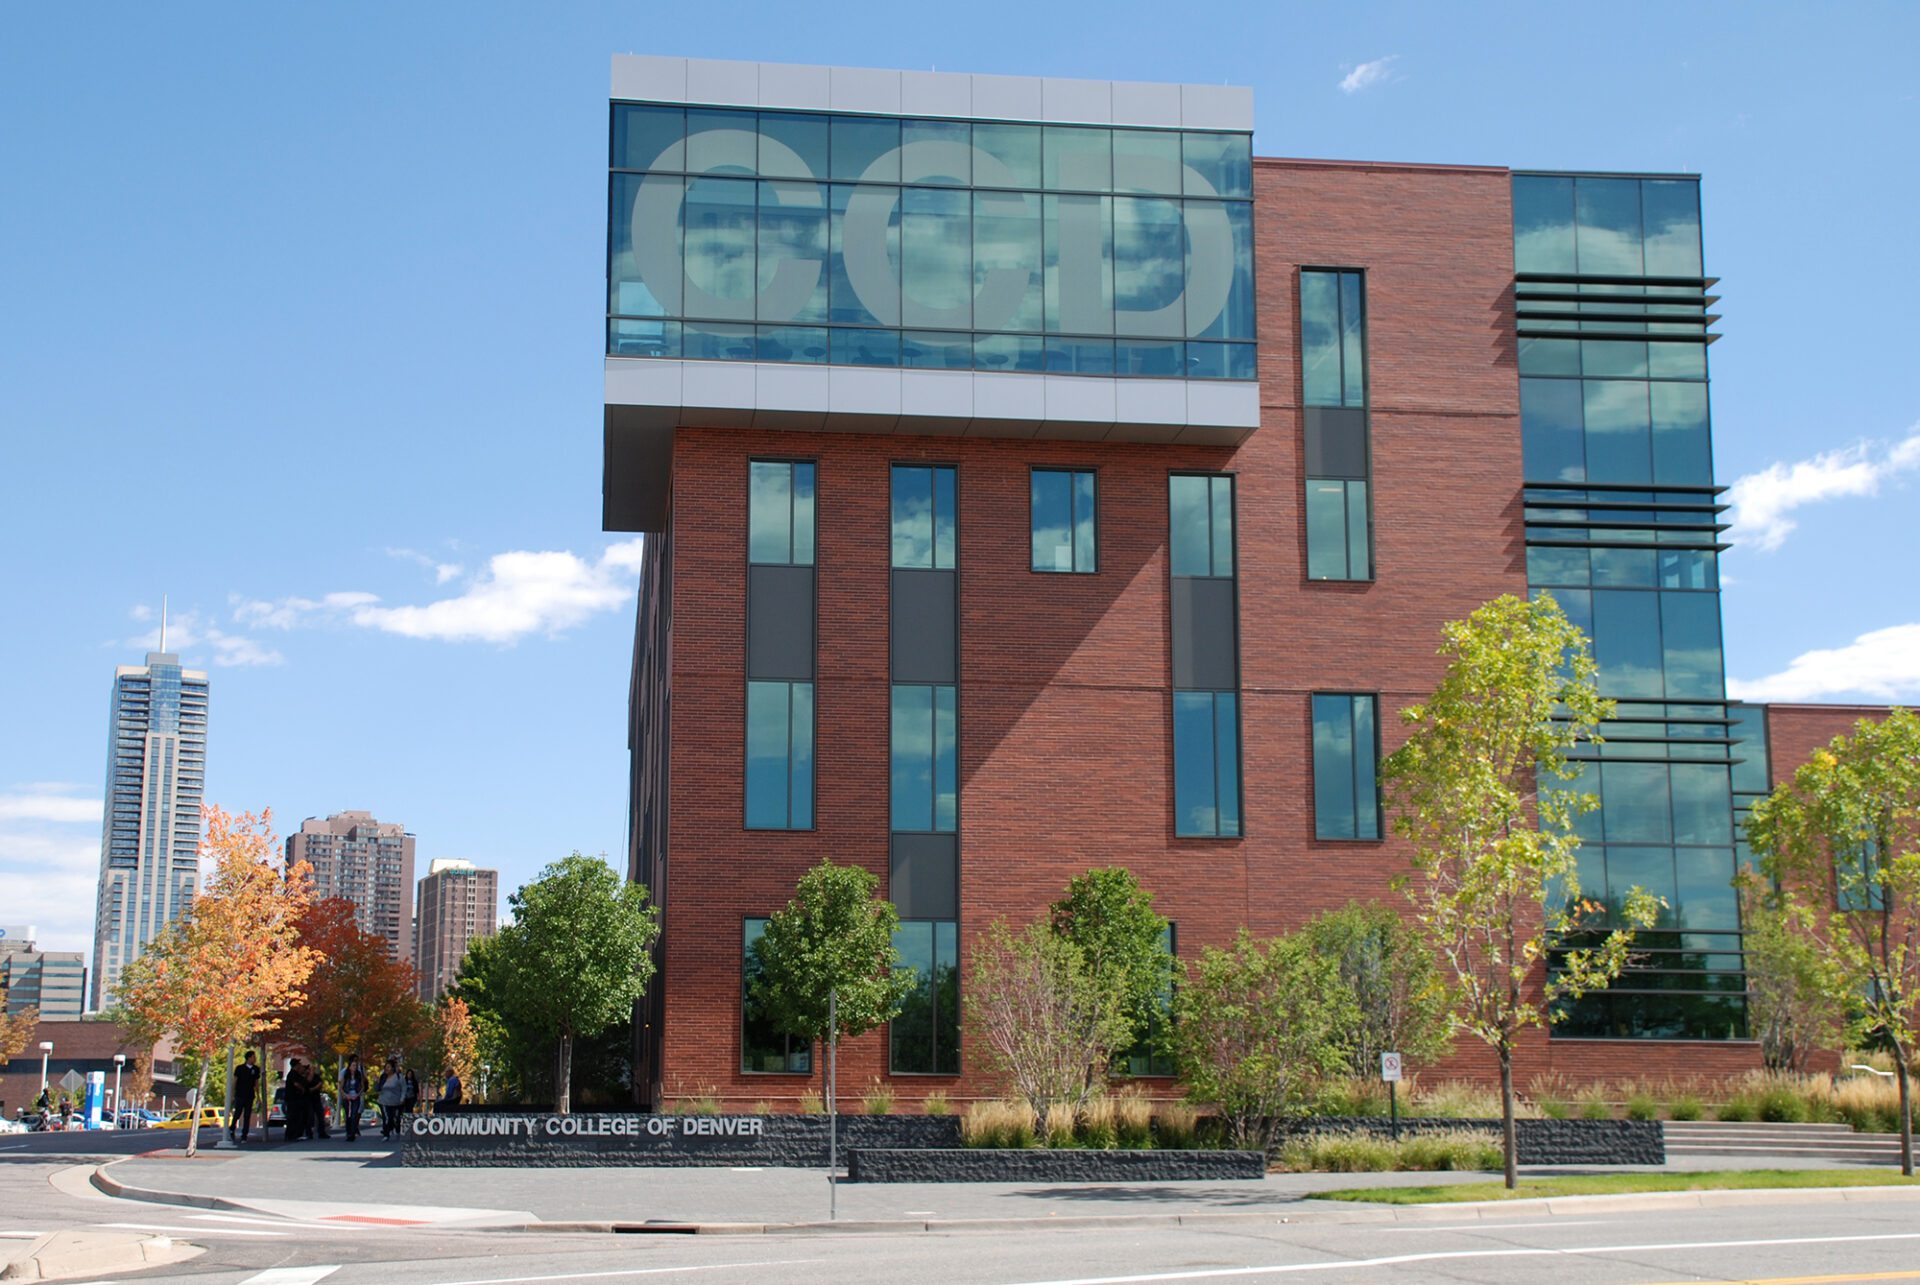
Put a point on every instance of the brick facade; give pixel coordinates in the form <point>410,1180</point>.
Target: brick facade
<point>1064,688</point>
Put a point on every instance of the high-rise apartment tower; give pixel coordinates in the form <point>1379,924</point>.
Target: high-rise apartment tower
<point>457,902</point>
<point>150,834</point>
<point>364,861</point>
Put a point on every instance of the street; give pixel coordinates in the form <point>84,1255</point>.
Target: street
<point>1851,1241</point>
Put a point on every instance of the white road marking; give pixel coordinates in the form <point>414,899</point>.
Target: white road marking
<point>20,1235</point>
<point>251,1220</point>
<point>636,1271</point>
<point>1400,1260</point>
<point>291,1275</point>
<point>1545,1220</point>
<point>191,1231</point>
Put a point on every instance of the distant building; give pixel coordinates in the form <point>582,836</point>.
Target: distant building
<point>53,981</point>
<point>364,861</point>
<point>457,902</point>
<point>150,835</point>
<point>80,1047</point>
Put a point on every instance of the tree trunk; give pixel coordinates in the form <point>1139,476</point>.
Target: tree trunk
<point>563,1076</point>
<point>199,1100</point>
<point>1906,1112</point>
<point>1509,1139</point>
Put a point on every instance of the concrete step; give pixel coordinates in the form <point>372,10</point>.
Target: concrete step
<point>1721,1126</point>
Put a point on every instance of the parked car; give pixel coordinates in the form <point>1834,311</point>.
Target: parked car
<point>12,1126</point>
<point>210,1118</point>
<point>140,1118</point>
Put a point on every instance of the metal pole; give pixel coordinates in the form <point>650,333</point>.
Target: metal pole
<point>46,1051</point>
<point>833,1118</point>
<point>1393,1106</point>
<point>118,1112</point>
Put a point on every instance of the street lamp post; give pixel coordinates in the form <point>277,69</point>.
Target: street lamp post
<point>119,1112</point>
<point>46,1051</point>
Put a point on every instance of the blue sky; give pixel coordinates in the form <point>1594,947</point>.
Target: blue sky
<point>300,325</point>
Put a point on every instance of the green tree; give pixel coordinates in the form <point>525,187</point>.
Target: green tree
<point>1123,946</point>
<point>827,963</point>
<point>1046,1019</point>
<point>1790,987</point>
<point>576,958</point>
<point>1385,964</point>
<point>1494,882</point>
<point>517,1057</point>
<point>1255,1027</point>
<point>1841,839</point>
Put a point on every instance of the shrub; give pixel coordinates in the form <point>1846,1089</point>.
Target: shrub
<point>1047,1021</point>
<point>878,1099</point>
<point>1684,1106</point>
<point>997,1124</point>
<point>1353,1095</point>
<point>1100,1124</point>
<point>1455,1149</point>
<point>1256,1027</point>
<point>1641,1104</point>
<point>1338,1153</point>
<point>1391,974</point>
<point>1740,1107</point>
<point>811,1103</point>
<point>1176,1127</point>
<point>1059,1124</point>
<point>704,1100</point>
<point>1132,1120</point>
<point>1459,1100</point>
<point>762,1107</point>
<point>1549,1095</point>
<point>937,1103</point>
<point>1364,1153</point>
<point>1782,1104</point>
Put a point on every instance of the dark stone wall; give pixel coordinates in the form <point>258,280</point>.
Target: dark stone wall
<point>982,1164</point>
<point>783,1140</point>
<point>1541,1142</point>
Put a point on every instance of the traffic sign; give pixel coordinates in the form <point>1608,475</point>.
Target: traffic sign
<point>1390,1067</point>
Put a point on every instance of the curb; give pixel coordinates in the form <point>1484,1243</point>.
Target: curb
<point>63,1254</point>
<point>1303,1210</point>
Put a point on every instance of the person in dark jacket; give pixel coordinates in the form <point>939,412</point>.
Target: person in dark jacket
<point>353,1094</point>
<point>413,1093</point>
<point>246,1087</point>
<point>294,1093</point>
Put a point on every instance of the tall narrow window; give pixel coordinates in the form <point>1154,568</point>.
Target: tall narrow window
<point>780,513</point>
<point>779,756</point>
<point>1333,378</point>
<point>764,1047</point>
<point>1346,756</point>
<point>1206,764</point>
<point>924,1037</point>
<point>1062,503</point>
<point>1200,535</point>
<point>1333,348</point>
<point>925,789</point>
<point>924,508</point>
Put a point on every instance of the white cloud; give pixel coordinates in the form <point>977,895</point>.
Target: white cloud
<point>50,861</point>
<point>1763,502</point>
<point>517,594</point>
<point>1369,74</point>
<point>442,571</point>
<point>189,631</point>
<point>1883,665</point>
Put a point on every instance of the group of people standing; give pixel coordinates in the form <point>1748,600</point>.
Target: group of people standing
<point>396,1091</point>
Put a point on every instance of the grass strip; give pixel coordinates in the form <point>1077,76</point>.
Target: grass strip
<point>1610,1184</point>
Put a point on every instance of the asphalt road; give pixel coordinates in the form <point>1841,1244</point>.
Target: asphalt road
<point>1857,1241</point>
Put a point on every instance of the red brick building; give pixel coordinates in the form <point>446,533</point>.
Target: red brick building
<point>957,620</point>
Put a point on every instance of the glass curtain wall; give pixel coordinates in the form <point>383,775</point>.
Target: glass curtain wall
<point>942,244</point>
<point>1623,530</point>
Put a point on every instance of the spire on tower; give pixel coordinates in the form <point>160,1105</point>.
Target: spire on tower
<point>163,622</point>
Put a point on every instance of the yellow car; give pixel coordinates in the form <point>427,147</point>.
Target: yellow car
<point>210,1118</point>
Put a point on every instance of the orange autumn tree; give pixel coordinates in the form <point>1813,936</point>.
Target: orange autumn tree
<point>457,1043</point>
<point>218,974</point>
<point>16,1032</point>
<point>359,998</point>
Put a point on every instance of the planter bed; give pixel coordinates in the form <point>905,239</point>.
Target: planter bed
<point>1541,1142</point>
<point>992,1164</point>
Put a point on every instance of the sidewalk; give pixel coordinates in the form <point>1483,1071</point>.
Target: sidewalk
<point>370,1186</point>
<point>366,1186</point>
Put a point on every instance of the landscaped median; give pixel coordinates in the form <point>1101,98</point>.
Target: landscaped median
<point>1623,1184</point>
